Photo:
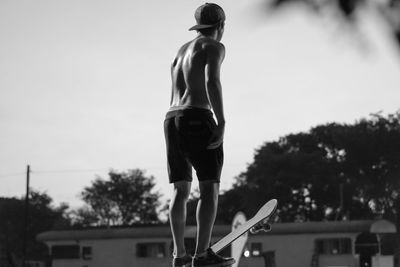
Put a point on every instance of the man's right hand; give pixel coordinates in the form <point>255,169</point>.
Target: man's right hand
<point>217,138</point>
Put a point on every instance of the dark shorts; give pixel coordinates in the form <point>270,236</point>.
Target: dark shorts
<point>187,135</point>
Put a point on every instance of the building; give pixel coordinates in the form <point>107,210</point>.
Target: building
<point>309,244</point>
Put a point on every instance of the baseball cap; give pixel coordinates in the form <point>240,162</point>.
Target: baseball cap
<point>208,16</point>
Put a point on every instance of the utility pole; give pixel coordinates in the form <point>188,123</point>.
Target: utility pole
<point>26,219</point>
<point>340,211</point>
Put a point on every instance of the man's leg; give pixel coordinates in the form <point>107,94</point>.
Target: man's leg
<point>177,216</point>
<point>206,213</point>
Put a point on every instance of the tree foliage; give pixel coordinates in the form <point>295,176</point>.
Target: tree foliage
<point>42,216</point>
<point>348,11</point>
<point>126,198</point>
<point>333,172</point>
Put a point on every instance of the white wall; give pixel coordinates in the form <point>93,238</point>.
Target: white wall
<point>290,250</point>
<point>293,250</point>
<point>113,252</point>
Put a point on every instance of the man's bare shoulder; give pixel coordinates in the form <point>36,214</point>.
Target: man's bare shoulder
<point>213,47</point>
<point>182,49</point>
<point>209,43</point>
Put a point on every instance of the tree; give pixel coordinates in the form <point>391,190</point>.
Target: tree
<point>42,216</point>
<point>125,199</point>
<point>348,11</point>
<point>333,172</point>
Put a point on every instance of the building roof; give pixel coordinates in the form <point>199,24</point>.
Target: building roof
<point>219,231</point>
<point>108,233</point>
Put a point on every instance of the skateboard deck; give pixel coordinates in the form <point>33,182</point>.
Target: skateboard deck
<point>263,213</point>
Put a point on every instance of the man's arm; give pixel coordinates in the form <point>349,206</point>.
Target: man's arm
<point>215,56</point>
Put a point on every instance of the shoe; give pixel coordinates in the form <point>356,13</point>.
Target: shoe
<point>185,261</point>
<point>212,260</point>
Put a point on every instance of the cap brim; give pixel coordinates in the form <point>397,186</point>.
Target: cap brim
<point>201,26</point>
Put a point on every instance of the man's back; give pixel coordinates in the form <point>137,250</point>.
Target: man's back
<point>189,72</point>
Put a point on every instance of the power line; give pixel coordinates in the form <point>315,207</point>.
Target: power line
<point>68,171</point>
<point>65,171</point>
<point>8,175</point>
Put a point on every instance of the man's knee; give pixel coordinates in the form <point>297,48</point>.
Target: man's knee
<point>182,190</point>
<point>209,190</point>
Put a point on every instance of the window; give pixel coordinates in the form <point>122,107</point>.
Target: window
<point>65,252</point>
<point>150,250</point>
<point>269,258</point>
<point>87,253</point>
<point>333,246</point>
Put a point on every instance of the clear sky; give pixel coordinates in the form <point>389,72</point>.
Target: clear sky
<point>85,85</point>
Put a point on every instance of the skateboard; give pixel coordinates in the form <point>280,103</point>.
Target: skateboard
<point>259,222</point>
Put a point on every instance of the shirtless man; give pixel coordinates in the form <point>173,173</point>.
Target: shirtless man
<point>193,138</point>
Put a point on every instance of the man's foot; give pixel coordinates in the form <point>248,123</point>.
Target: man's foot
<point>185,261</point>
<point>212,260</point>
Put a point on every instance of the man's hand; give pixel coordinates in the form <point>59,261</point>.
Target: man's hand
<point>217,138</point>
